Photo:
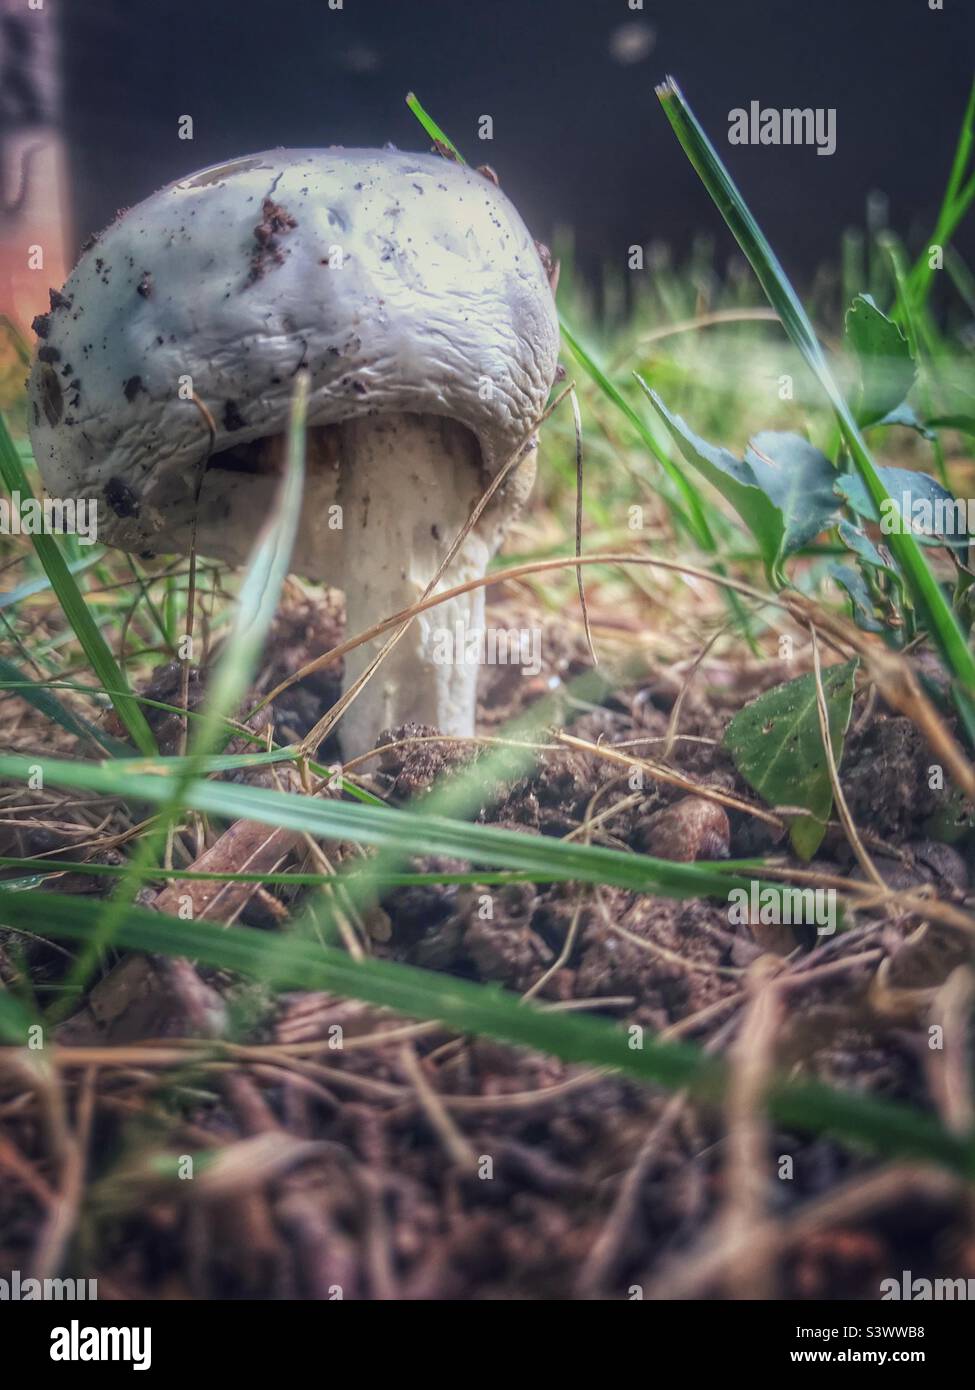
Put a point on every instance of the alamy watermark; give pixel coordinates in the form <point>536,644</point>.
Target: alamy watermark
<point>78,1343</point>
<point>950,517</point>
<point>461,645</point>
<point>18,1289</point>
<point>49,516</point>
<point>793,125</point>
<point>763,905</point>
<point>912,1290</point>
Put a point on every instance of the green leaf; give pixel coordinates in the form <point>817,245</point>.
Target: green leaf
<point>958,196</point>
<point>782,490</point>
<point>859,595</point>
<point>777,746</point>
<point>30,881</point>
<point>799,479</point>
<point>883,357</point>
<point>965,423</point>
<point>940,518</point>
<point>862,546</point>
<point>856,540</point>
<point>956,394</point>
<point>906,416</point>
<point>732,478</point>
<point>287,878</point>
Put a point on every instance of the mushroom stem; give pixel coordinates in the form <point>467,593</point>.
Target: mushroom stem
<point>407,486</point>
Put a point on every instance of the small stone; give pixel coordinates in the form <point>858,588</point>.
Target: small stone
<point>692,828</point>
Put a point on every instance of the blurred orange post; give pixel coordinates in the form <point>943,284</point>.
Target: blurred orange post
<point>34,190</point>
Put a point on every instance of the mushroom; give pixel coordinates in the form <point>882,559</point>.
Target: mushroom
<point>411,292</point>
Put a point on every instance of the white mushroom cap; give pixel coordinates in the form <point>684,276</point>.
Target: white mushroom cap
<point>405,284</point>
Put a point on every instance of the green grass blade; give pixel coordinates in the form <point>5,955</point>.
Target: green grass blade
<point>15,1019</point>
<point>267,569</point>
<point>910,315</point>
<point>285,961</point>
<point>438,136</point>
<point>404,832</point>
<point>72,601</point>
<point>694,519</point>
<point>955,204</point>
<point>30,587</point>
<point>37,694</point>
<point>45,868</point>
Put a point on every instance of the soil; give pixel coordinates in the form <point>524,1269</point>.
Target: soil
<point>600,1186</point>
<point>275,223</point>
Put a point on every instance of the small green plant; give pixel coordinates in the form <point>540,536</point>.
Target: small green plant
<point>886,374</point>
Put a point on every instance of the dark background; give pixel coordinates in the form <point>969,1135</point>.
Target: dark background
<point>579,137</point>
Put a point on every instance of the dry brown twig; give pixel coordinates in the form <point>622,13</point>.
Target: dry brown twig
<point>748,1131</point>
<point>660,773</point>
<point>601,1262</point>
<point>686,683</point>
<point>951,1074</point>
<point>691,1276</point>
<point>512,573</point>
<point>455,1145</point>
<point>59,1224</point>
<point>846,820</point>
<point>577,424</point>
